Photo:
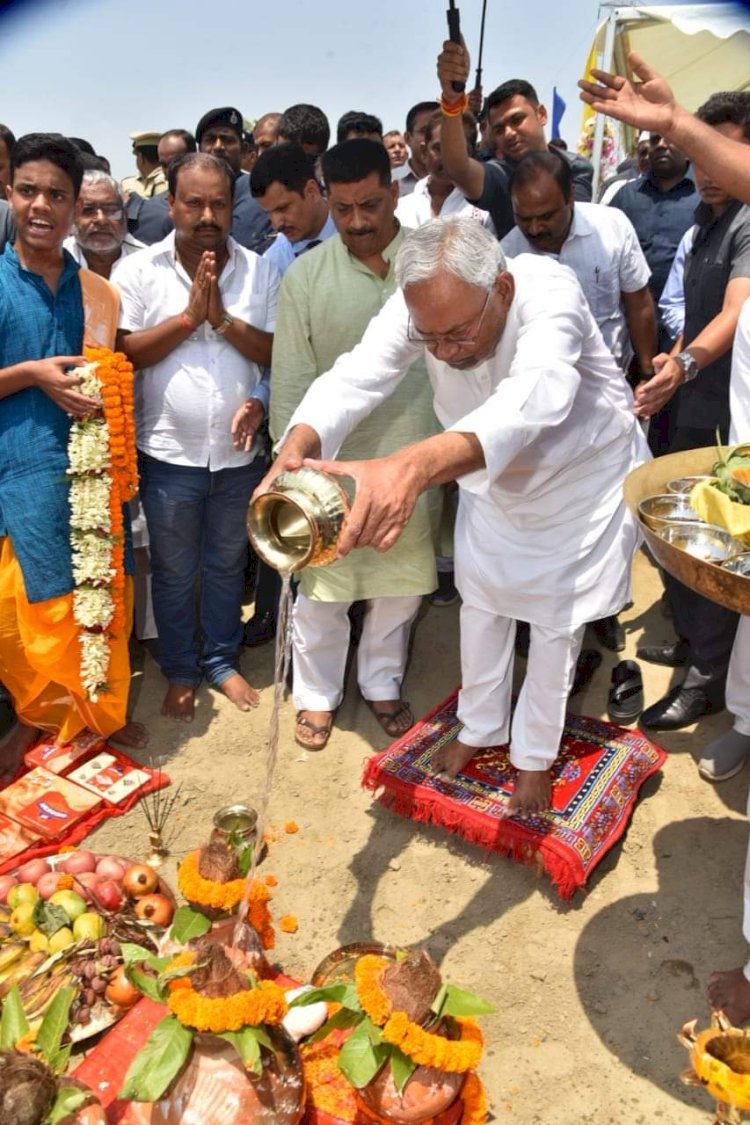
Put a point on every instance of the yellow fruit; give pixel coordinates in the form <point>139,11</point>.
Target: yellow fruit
<point>61,940</point>
<point>38,942</point>
<point>21,919</point>
<point>22,892</point>
<point>90,926</point>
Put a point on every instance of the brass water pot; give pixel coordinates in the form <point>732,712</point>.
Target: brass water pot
<point>298,522</point>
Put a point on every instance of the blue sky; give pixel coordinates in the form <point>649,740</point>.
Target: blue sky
<point>101,68</point>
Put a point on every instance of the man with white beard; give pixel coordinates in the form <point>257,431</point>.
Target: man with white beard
<point>539,433</point>
<point>100,239</point>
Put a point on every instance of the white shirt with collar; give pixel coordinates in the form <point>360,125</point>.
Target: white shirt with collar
<point>186,402</point>
<point>603,251</point>
<point>129,246</point>
<point>282,253</point>
<point>415,209</point>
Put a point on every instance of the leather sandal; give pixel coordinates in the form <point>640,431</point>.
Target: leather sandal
<point>625,700</point>
<point>391,721</point>
<point>318,733</point>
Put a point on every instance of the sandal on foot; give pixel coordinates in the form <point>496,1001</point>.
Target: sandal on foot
<point>312,736</point>
<point>390,721</point>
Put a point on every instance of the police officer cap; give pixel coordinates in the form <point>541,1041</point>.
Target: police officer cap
<point>226,115</point>
<point>145,140</point>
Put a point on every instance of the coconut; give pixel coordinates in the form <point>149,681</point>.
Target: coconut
<point>412,984</point>
<point>27,1089</point>
<point>219,863</point>
<point>216,975</point>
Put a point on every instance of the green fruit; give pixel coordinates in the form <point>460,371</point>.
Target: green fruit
<point>89,926</point>
<point>21,920</point>
<point>73,905</point>
<point>61,940</point>
<point>22,892</point>
<point>38,942</point>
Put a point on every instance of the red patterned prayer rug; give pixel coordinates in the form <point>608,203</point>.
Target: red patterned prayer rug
<point>596,779</point>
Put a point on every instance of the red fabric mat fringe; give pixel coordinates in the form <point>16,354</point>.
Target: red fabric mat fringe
<point>596,779</point>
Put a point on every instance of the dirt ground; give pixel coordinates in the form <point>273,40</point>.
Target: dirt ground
<point>589,994</point>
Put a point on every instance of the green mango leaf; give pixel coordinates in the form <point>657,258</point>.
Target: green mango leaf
<point>158,1063</point>
<point>437,1003</point>
<point>54,1025</point>
<point>188,923</point>
<point>376,1035</point>
<point>459,1002</point>
<point>131,952</point>
<point>264,1038</point>
<point>68,1100</point>
<point>49,918</point>
<point>13,1023</point>
<point>402,1068</point>
<point>359,1061</point>
<point>247,1046</point>
<point>246,860</point>
<point>340,993</point>
<point>58,1063</point>
<point>145,983</point>
<point>180,971</point>
<point>341,1019</point>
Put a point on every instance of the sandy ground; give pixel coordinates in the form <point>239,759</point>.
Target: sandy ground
<point>589,994</point>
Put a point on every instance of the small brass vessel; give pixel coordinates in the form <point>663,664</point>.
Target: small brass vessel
<point>298,522</point>
<point>239,821</point>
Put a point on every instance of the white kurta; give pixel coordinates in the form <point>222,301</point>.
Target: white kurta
<point>543,533</point>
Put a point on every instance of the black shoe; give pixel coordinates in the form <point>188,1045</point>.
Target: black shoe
<point>681,707</point>
<point>259,630</point>
<point>625,700</point>
<point>673,655</point>
<point>446,593</point>
<point>587,663</point>
<point>610,633</point>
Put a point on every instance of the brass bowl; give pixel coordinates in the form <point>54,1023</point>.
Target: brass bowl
<point>298,522</point>
<point>666,510</point>
<point>702,541</point>
<point>685,485</point>
<point>339,965</point>
<point>706,578</point>
<point>739,564</point>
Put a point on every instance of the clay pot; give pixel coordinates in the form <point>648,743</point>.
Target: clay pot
<point>428,1093</point>
<point>215,1089</point>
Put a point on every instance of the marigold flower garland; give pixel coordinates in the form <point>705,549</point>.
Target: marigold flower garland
<point>103,470</point>
<point>227,896</point>
<point>264,1003</point>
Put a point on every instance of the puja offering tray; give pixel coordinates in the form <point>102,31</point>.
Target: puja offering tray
<point>725,582</point>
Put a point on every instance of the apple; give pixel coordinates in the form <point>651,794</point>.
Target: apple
<point>89,926</point>
<point>108,894</point>
<point>140,879</point>
<point>21,919</point>
<point>48,884</point>
<point>22,892</point>
<point>84,884</point>
<point>60,940</point>
<point>7,882</point>
<point>110,868</point>
<point>72,904</point>
<point>32,871</point>
<point>155,908</point>
<point>78,862</point>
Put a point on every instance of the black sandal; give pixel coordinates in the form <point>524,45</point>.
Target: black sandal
<point>390,721</point>
<point>625,700</point>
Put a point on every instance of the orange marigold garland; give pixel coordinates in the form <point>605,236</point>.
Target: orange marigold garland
<point>426,1049</point>
<point>227,896</point>
<point>474,1099</point>
<point>367,973</point>
<point>103,469</point>
<point>253,1006</point>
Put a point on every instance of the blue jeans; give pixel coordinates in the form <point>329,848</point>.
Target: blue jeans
<point>196,526</point>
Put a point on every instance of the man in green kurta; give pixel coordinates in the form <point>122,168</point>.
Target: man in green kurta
<point>327,299</point>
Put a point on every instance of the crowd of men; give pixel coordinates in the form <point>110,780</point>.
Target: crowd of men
<point>443,314</point>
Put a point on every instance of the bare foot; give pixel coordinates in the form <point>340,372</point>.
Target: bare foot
<point>133,735</point>
<point>179,703</point>
<point>451,758</point>
<point>729,992</point>
<point>240,692</point>
<point>532,793</point>
<point>13,747</point>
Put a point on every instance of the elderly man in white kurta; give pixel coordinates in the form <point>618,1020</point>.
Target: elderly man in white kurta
<point>539,435</point>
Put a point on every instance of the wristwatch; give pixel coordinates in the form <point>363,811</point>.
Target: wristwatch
<point>689,365</point>
<point>226,323</point>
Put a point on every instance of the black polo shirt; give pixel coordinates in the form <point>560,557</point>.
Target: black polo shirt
<point>660,219</point>
<point>721,252</point>
<point>497,178</point>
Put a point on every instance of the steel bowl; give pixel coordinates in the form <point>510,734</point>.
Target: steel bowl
<point>339,965</point>
<point>666,510</point>
<point>706,578</point>
<point>702,541</point>
<point>685,485</point>
<point>739,564</point>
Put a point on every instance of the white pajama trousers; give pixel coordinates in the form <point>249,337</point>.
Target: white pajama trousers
<point>484,703</point>
<point>321,644</point>
<point>738,704</point>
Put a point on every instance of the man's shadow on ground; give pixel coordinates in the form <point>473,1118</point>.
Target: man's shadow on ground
<point>642,964</point>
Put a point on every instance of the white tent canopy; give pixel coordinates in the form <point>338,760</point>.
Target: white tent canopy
<point>699,48</point>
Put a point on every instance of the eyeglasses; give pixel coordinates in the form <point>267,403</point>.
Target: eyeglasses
<point>417,337</point>
<point>109,210</point>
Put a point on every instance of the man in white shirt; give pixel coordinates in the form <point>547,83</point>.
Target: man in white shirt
<point>540,434</point>
<point>100,239</point>
<point>197,319</point>
<point>283,182</point>
<point>435,194</point>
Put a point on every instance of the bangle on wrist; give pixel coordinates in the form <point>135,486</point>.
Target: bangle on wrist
<point>186,322</point>
<point>455,108</point>
<point>226,323</point>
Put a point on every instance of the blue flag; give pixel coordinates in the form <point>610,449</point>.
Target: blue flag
<point>558,109</point>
